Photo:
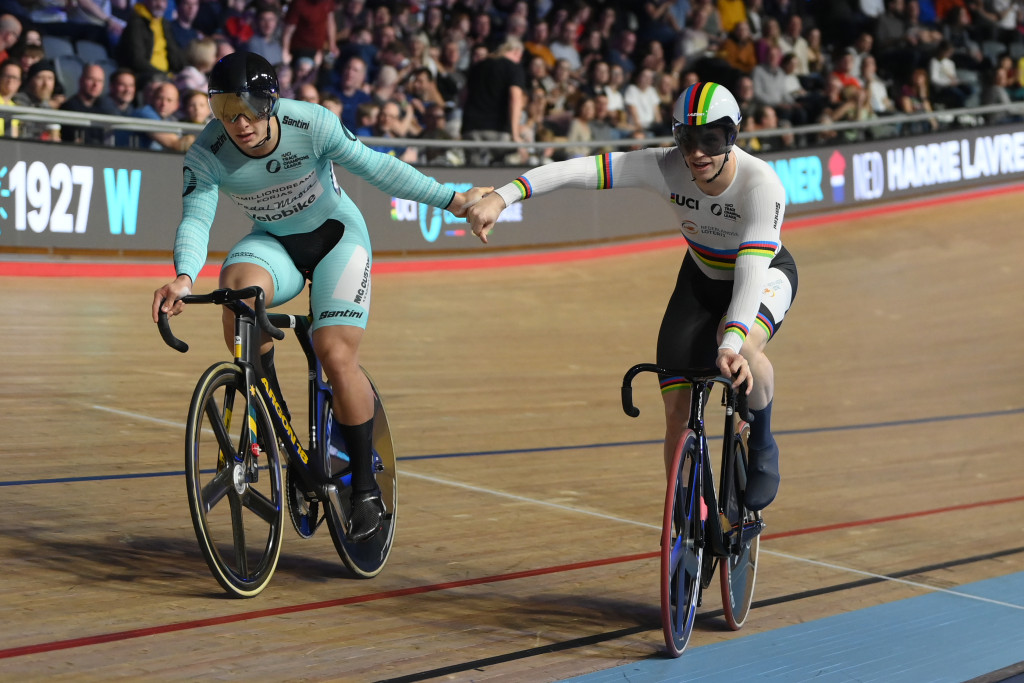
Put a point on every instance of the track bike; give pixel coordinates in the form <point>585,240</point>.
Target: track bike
<point>703,526</point>
<point>236,433</point>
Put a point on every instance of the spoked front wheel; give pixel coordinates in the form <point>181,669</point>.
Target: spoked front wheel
<point>366,559</point>
<point>682,548</point>
<point>233,473</point>
<point>739,570</point>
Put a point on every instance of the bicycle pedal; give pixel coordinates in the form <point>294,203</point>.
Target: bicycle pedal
<point>751,530</point>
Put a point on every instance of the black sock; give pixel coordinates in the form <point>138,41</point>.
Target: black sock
<point>761,427</point>
<point>270,372</point>
<point>359,440</point>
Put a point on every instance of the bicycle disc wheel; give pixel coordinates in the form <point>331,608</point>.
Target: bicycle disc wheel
<point>367,558</point>
<point>235,492</point>
<point>739,570</point>
<point>682,549</point>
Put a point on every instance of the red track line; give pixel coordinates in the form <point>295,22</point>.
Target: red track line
<point>307,607</point>
<point>891,518</point>
<point>432,588</point>
<point>474,262</point>
<point>909,205</point>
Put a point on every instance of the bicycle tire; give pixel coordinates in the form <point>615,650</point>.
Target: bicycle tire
<point>738,575</point>
<point>366,559</point>
<point>237,508</point>
<point>682,549</point>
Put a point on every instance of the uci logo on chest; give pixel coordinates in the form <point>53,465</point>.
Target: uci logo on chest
<point>688,202</point>
<point>273,166</point>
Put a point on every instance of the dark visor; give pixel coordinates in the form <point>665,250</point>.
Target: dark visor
<point>712,140</point>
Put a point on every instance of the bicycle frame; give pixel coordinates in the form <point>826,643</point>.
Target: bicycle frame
<point>250,323</point>
<point>702,381</point>
<point>700,523</point>
<point>713,536</point>
<point>319,393</point>
<point>309,480</point>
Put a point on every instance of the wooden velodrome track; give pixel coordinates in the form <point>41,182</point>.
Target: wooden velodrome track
<point>529,504</point>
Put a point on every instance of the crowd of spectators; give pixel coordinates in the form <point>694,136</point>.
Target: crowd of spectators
<point>520,71</point>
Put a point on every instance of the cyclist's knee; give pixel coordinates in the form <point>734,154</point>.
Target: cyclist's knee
<point>337,347</point>
<point>239,275</point>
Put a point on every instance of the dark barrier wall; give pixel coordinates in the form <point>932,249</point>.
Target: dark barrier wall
<point>63,197</point>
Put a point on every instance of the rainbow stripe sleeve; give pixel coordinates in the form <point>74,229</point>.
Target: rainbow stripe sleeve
<point>597,172</point>
<point>524,187</point>
<point>605,179</point>
<point>765,249</point>
<point>737,328</point>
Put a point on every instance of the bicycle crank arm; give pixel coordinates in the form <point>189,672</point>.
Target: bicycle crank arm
<point>747,533</point>
<point>751,530</point>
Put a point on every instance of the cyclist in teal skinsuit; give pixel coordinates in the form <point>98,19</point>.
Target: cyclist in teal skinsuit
<point>275,159</point>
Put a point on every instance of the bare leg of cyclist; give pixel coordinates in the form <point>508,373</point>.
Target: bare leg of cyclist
<point>677,416</point>
<point>337,347</point>
<point>763,458</point>
<point>238,276</point>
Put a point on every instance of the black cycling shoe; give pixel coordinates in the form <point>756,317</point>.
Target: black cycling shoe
<point>367,516</point>
<point>762,477</point>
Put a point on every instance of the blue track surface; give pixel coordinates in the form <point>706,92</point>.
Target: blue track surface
<point>934,638</point>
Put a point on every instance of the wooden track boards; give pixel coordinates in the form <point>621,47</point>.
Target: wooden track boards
<point>530,556</point>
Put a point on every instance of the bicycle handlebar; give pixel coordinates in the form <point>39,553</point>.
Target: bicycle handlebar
<point>233,298</point>
<point>710,374</point>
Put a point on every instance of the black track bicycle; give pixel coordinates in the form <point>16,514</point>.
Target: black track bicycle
<point>236,434</point>
<point>703,526</point>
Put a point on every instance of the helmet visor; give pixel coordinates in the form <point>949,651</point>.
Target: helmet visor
<point>711,140</point>
<point>228,106</point>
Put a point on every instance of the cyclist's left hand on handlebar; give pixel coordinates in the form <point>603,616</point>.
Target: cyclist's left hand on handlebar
<point>464,200</point>
<point>167,298</point>
<point>734,365</point>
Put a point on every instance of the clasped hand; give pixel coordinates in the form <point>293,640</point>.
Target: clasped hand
<point>483,214</point>
<point>463,200</point>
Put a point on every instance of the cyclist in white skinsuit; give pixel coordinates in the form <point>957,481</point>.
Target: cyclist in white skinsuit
<point>274,158</point>
<point>737,280</point>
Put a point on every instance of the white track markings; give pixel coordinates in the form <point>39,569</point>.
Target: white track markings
<point>794,558</point>
<point>137,416</point>
<point>524,499</point>
<point>594,513</point>
<point>915,584</point>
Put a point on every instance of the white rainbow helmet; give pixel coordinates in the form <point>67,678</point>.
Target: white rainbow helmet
<point>706,117</point>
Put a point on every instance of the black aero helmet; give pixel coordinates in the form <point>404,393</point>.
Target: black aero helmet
<point>243,84</point>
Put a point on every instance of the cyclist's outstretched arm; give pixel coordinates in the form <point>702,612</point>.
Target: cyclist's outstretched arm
<point>641,168</point>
